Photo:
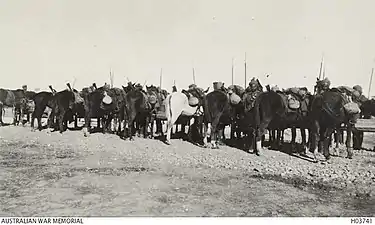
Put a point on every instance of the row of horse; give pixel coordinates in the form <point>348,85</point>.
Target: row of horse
<point>138,110</point>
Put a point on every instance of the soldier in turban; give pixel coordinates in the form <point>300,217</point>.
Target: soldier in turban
<point>251,93</point>
<point>322,85</point>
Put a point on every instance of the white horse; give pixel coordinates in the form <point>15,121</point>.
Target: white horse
<point>177,104</point>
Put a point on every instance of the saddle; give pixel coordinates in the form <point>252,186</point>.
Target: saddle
<point>291,101</point>
<point>234,99</point>
<point>347,94</point>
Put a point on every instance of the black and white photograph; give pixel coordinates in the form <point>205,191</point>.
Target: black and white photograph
<point>186,108</point>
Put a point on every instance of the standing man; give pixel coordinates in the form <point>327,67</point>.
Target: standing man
<point>359,99</point>
<point>251,93</point>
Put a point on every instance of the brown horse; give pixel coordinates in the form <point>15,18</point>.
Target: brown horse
<point>327,114</point>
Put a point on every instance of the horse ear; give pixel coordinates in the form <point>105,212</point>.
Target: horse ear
<point>207,90</point>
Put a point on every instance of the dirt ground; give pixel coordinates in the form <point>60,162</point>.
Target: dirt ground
<point>52,174</point>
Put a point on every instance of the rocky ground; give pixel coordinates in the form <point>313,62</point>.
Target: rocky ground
<point>52,174</point>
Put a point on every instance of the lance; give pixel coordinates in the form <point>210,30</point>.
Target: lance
<point>245,70</point>
<point>111,77</point>
<point>369,86</point>
<point>232,71</point>
<point>161,77</point>
<point>193,75</point>
<point>74,81</point>
<point>321,67</point>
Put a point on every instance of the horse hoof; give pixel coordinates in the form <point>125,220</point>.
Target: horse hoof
<point>168,142</point>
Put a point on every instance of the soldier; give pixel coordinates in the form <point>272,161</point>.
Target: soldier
<point>107,86</point>
<point>192,86</point>
<point>322,85</point>
<point>359,99</point>
<point>251,93</point>
<point>24,88</point>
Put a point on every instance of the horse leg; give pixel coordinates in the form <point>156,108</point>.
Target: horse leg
<point>261,130</point>
<point>293,140</point>
<point>327,135</point>
<point>279,139</point>
<point>232,130</point>
<point>341,136</point>
<point>221,135</point>
<point>103,123</point>
<point>337,141</point>
<point>21,116</point>
<point>60,118</point>
<point>118,132</point>
<point>304,142</point>
<point>87,125</point>
<point>315,139</point>
<point>170,122</point>
<point>348,140</point>
<point>75,121</point>
<point>50,120</point>
<point>14,110</point>
<point>360,139</point>
<point>109,123</point>
<point>272,137</point>
<point>131,126</point>
<point>1,114</point>
<point>147,122</point>
<point>159,126</point>
<point>215,131</point>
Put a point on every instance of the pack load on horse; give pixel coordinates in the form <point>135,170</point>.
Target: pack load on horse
<point>294,97</point>
<point>235,93</point>
<point>349,94</point>
<point>193,101</point>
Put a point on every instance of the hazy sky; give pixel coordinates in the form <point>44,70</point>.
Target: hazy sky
<point>46,42</point>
